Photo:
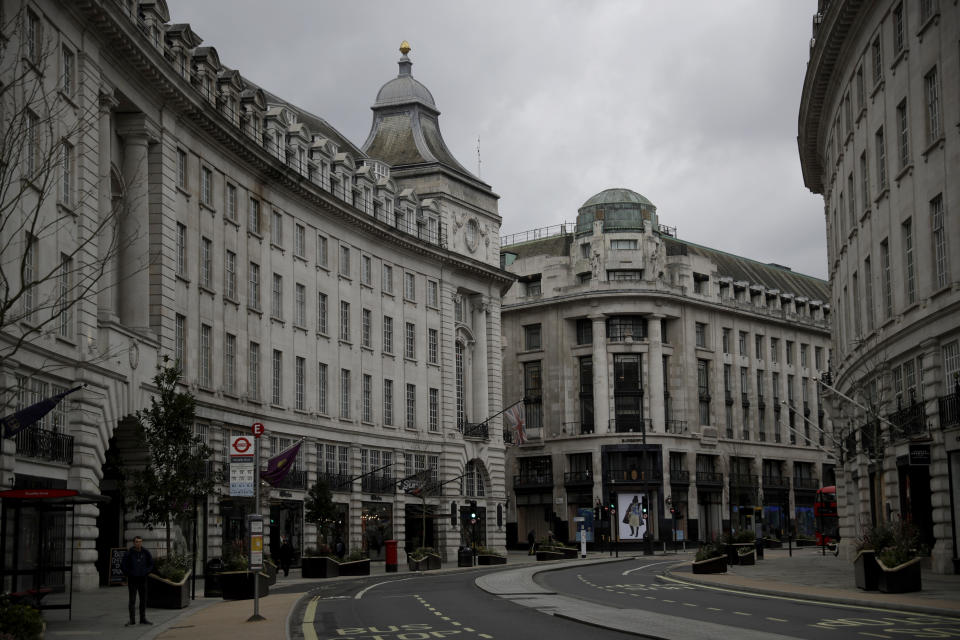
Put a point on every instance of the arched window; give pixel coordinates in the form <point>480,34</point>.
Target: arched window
<point>473,479</point>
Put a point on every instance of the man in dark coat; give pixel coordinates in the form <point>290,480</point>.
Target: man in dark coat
<point>285,555</point>
<point>136,565</point>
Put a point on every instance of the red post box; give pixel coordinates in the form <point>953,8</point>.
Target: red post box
<point>391,556</point>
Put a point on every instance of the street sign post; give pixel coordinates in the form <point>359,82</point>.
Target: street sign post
<point>259,523</point>
<point>257,429</point>
<point>255,522</point>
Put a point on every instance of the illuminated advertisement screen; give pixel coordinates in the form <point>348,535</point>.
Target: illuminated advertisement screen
<point>630,515</point>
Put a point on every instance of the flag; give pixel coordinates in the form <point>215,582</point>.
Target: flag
<point>516,421</point>
<point>280,465</point>
<point>14,424</point>
<point>415,484</point>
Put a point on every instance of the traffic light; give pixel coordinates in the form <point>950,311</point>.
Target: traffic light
<point>473,512</point>
<point>643,503</point>
<point>453,514</point>
<point>613,503</point>
<point>596,512</point>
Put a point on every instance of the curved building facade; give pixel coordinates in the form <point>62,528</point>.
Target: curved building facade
<point>878,138</point>
<point>347,297</point>
<point>659,373</point>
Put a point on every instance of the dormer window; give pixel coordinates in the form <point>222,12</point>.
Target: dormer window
<point>700,281</point>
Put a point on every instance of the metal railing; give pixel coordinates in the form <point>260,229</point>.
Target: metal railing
<point>714,478</point>
<point>530,480</point>
<point>295,479</point>
<point>379,484</point>
<point>337,481</point>
<point>806,484</point>
<point>537,234</point>
<point>578,428</point>
<point>578,477</point>
<point>775,482</point>
<point>744,480</point>
<point>949,409</point>
<point>910,420</point>
<point>676,427</point>
<point>679,476</point>
<point>43,444</point>
<point>630,425</point>
<point>475,431</point>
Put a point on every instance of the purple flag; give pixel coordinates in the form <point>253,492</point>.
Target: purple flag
<point>26,417</point>
<point>280,465</point>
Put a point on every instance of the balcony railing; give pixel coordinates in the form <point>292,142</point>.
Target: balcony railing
<point>775,482</point>
<point>43,444</point>
<point>508,436</point>
<point>379,484</point>
<point>635,474</point>
<point>578,478</point>
<point>479,431</point>
<point>744,480</point>
<point>806,484</point>
<point>630,424</point>
<point>949,408</point>
<point>295,479</point>
<point>337,481</point>
<point>709,478</point>
<point>578,428</point>
<point>911,420</point>
<point>676,427</point>
<point>679,476</point>
<point>532,480</point>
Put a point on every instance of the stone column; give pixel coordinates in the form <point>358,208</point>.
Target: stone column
<point>107,295</point>
<point>134,237</point>
<point>601,377</point>
<point>656,382</point>
<point>481,398</point>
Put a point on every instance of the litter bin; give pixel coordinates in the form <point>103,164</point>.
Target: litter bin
<point>759,548</point>
<point>391,556</point>
<point>211,578</point>
<point>647,544</point>
<point>464,557</point>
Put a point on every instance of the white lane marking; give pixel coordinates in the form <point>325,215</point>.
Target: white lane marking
<point>741,613</point>
<point>363,592</point>
<point>776,619</point>
<point>652,564</point>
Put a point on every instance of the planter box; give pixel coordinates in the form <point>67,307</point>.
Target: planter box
<point>747,558</point>
<point>164,594</point>
<point>902,578</point>
<point>549,555</point>
<point>805,543</point>
<point>772,544</point>
<point>319,567</point>
<point>354,568</point>
<point>866,571</point>
<point>238,585</point>
<point>484,560</point>
<point>711,565</point>
<point>426,563</point>
<point>271,570</point>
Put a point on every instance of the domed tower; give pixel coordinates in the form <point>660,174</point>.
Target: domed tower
<point>406,135</point>
<point>619,209</point>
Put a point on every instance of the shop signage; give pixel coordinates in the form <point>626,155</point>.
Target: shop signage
<point>919,455</point>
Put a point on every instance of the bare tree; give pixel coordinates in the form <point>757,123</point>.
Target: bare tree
<point>57,241</point>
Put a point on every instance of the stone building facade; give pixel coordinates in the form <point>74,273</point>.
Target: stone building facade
<point>878,139</point>
<point>653,367</point>
<point>347,296</point>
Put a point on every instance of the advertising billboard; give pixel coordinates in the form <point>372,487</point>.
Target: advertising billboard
<point>630,516</point>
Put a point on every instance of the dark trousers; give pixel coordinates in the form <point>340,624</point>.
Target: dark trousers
<point>137,585</point>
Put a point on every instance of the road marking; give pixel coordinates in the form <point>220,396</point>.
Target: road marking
<point>456,624</point>
<point>309,633</point>
<point>670,601</point>
<point>362,592</point>
<point>689,604</point>
<point>776,619</point>
<point>742,613</point>
<point>713,609</point>
<point>875,635</point>
<point>484,635</point>
<point>652,564</point>
<point>649,597</point>
<point>469,630</point>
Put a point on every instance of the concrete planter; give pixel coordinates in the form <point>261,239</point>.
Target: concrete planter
<point>749,558</point>
<point>866,572</point>
<point>484,560</point>
<point>354,568</point>
<point>319,567</point>
<point>426,563</point>
<point>711,565</point>
<point>902,578</point>
<point>165,594</point>
<point>239,585</point>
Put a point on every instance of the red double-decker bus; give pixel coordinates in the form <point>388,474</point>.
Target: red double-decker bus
<point>825,516</point>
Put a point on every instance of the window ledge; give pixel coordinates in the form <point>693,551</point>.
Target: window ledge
<point>278,247</point>
<point>256,401</point>
<point>409,359</point>
<point>860,114</point>
<point>369,423</point>
<point>366,285</point>
<point>535,350</point>
<point>277,320</point>
<point>877,88</point>
<point>345,277</point>
<point>323,267</point>
<point>231,221</point>
<point>933,146</point>
<point>387,293</point>
<point>233,301</point>
<point>63,207</point>
<point>303,412</point>
<point>208,207</point>
<point>387,354</point>
<point>903,55</point>
<point>207,290</point>
<point>433,364</point>
<point>325,336</point>
<point>255,235</point>
<point>366,348</point>
<point>68,98</point>
<point>183,278</point>
<point>300,258</point>
<point>906,171</point>
<point>278,407</point>
<point>259,312</point>
<point>865,216</point>
<point>71,341</point>
<point>938,292</point>
<point>346,342</point>
<point>300,327</point>
<point>184,191</point>
<point>231,395</point>
<point>932,20</point>
<point>883,194</point>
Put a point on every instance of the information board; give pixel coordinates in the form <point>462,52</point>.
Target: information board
<point>256,542</point>
<point>242,466</point>
<point>116,574</point>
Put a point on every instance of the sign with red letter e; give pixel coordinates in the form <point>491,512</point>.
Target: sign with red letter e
<point>257,429</point>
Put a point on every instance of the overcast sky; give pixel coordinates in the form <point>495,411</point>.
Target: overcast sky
<point>693,104</point>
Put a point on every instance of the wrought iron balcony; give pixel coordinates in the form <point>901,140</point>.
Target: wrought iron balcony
<point>295,479</point>
<point>379,484</point>
<point>478,431</point>
<point>709,478</point>
<point>949,409</point>
<point>775,482</point>
<point>911,420</point>
<point>337,481</point>
<point>578,428</point>
<point>677,427</point>
<point>762,436</point>
<point>571,478</point>
<point>806,484</point>
<point>630,424</point>
<point>508,436</point>
<point>744,480</point>
<point>634,475</point>
<point>43,444</point>
<point>679,476</point>
<point>533,480</point>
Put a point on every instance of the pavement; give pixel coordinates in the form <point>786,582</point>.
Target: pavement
<point>806,574</point>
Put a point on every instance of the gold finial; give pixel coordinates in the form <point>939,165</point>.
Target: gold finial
<point>404,47</point>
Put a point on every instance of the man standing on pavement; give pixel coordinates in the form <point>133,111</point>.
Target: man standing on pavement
<point>136,565</point>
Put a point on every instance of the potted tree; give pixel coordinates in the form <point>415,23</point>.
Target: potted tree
<point>866,572</point>
<point>746,556</point>
<point>169,586</point>
<point>898,561</point>
<point>710,558</point>
<point>486,556</point>
<point>236,579</point>
<point>320,509</point>
<point>423,559</point>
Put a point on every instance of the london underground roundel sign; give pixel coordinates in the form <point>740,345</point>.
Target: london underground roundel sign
<point>241,446</point>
